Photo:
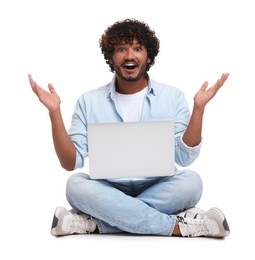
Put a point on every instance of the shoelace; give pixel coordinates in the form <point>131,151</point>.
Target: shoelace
<point>80,224</point>
<point>193,227</point>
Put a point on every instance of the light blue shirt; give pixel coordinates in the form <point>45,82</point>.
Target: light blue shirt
<point>162,102</point>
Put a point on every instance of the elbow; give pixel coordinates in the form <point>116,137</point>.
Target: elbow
<point>67,161</point>
<point>68,166</point>
<point>69,169</point>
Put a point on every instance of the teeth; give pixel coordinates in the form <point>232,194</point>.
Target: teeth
<point>130,65</point>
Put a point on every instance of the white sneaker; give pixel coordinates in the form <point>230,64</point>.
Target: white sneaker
<point>211,223</point>
<point>67,222</point>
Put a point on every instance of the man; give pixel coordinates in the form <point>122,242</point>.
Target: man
<point>155,205</point>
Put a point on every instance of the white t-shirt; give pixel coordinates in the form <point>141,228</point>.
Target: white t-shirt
<point>131,105</point>
<point>131,108</point>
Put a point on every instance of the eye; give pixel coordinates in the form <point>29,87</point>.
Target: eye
<point>138,49</point>
<point>121,49</point>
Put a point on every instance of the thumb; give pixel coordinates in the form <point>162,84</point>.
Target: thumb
<point>204,86</point>
<point>51,88</point>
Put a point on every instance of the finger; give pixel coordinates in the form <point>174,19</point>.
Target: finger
<point>51,88</point>
<point>221,81</point>
<point>225,75</point>
<point>223,78</point>
<point>36,88</point>
<point>204,86</point>
<point>32,83</point>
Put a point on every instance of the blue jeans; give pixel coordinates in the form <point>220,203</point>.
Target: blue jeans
<point>135,206</point>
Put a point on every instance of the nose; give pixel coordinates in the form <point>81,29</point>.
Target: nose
<point>129,54</point>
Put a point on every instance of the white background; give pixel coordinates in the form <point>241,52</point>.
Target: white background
<point>57,42</point>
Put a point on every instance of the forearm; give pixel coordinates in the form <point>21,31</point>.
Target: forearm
<point>64,147</point>
<point>193,134</point>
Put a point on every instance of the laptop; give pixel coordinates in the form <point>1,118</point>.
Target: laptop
<point>131,149</point>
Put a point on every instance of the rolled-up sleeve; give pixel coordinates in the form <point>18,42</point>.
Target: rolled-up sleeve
<point>78,133</point>
<point>185,155</point>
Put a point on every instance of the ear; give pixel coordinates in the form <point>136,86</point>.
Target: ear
<point>110,61</point>
<point>148,60</point>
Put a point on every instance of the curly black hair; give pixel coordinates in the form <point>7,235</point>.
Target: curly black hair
<point>126,31</point>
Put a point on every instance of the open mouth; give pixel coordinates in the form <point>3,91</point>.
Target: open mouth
<point>129,65</point>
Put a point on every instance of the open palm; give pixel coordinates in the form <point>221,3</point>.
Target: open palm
<point>204,95</point>
<point>50,99</point>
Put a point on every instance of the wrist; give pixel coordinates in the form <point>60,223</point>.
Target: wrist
<point>54,113</point>
<point>198,109</point>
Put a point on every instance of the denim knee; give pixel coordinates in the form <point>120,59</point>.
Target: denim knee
<point>72,186</point>
<point>196,189</point>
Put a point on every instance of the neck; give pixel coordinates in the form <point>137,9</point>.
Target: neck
<point>127,87</point>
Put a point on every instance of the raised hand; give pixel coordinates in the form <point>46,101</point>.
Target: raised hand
<point>49,99</point>
<point>204,95</point>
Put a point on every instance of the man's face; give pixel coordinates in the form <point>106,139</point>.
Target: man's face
<point>130,61</point>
